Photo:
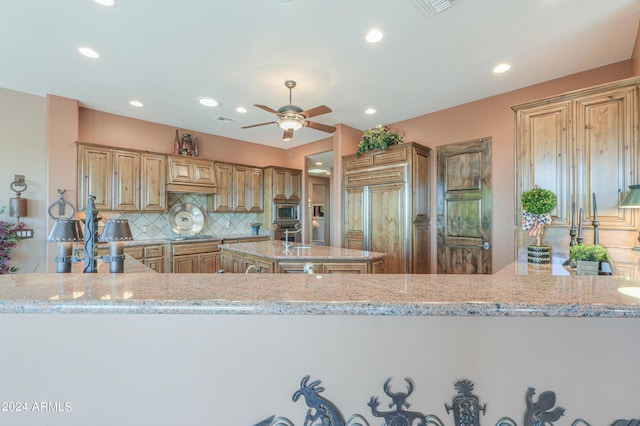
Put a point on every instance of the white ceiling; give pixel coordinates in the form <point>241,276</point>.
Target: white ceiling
<point>168,53</point>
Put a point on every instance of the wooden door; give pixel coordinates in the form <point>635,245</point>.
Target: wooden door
<point>153,194</point>
<point>387,230</point>
<point>464,208</point>
<point>204,172</point>
<point>279,185</point>
<point>294,178</point>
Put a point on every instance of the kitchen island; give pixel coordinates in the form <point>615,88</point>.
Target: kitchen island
<point>231,349</point>
<point>276,257</point>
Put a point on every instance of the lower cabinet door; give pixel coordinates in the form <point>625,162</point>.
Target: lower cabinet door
<point>209,262</point>
<point>185,264</point>
<point>155,263</point>
<point>344,268</point>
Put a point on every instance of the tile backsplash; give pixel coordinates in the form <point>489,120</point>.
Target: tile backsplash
<point>153,226</point>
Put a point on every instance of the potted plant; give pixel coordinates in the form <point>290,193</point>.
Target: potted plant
<point>588,258</point>
<point>379,137</point>
<point>8,241</point>
<point>537,204</point>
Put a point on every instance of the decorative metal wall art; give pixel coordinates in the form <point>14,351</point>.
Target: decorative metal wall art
<point>465,408</point>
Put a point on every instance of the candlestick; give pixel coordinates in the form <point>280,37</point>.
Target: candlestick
<point>579,238</point>
<point>595,223</point>
<point>573,214</point>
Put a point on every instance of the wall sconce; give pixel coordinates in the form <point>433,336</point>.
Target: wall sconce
<point>632,201</point>
<point>67,231</point>
<point>18,206</point>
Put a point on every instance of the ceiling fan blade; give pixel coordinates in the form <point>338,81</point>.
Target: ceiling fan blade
<point>319,110</point>
<point>318,126</point>
<point>288,135</point>
<point>256,125</point>
<point>266,108</point>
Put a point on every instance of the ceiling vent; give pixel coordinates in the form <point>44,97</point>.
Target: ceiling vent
<point>223,120</point>
<point>433,7</point>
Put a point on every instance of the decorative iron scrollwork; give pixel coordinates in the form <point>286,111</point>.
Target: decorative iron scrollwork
<point>465,408</point>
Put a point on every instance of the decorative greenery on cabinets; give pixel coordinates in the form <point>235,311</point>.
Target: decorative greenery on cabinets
<point>379,137</point>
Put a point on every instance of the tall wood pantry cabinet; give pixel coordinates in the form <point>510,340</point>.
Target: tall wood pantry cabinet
<point>576,144</point>
<point>386,206</point>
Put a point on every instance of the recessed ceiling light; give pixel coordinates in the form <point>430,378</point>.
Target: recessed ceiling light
<point>210,102</point>
<point>374,36</point>
<point>241,110</point>
<point>106,2</point>
<point>136,104</point>
<point>318,163</point>
<point>88,52</point>
<point>502,68</point>
<point>370,111</point>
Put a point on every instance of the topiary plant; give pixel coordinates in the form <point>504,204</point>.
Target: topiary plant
<point>537,203</point>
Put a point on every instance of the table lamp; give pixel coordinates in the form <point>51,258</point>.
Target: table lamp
<point>65,232</point>
<point>116,232</point>
<point>632,201</point>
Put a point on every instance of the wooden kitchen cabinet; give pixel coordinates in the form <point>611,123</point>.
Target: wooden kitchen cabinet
<point>190,174</point>
<point>126,181</point>
<point>195,257</point>
<point>121,180</point>
<point>386,206</point>
<point>151,256</point>
<point>240,189</point>
<point>283,185</point>
<point>153,196</point>
<point>576,144</point>
<point>95,176</point>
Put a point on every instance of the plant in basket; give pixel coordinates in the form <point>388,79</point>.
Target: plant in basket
<point>379,137</point>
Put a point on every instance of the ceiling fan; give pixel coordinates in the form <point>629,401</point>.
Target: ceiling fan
<point>292,117</point>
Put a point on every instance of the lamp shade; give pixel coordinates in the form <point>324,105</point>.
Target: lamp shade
<point>632,199</point>
<point>289,124</point>
<point>116,230</point>
<point>66,230</point>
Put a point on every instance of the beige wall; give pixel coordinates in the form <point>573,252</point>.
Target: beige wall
<point>493,117</point>
<point>22,151</point>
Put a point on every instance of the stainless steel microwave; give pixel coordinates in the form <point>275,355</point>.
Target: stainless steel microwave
<point>286,212</point>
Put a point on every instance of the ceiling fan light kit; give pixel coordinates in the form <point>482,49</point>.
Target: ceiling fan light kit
<point>292,117</point>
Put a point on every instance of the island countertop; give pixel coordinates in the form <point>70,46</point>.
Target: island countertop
<point>275,250</point>
<point>304,294</point>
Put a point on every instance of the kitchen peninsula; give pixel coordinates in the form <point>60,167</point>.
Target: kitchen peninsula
<point>275,256</point>
<point>231,349</point>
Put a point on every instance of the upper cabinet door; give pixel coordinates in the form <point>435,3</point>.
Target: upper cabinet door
<point>153,196</point>
<point>126,181</point>
<point>255,190</point>
<point>223,200</point>
<point>607,155</point>
<point>95,170</point>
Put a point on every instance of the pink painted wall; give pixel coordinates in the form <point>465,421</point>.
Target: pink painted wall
<point>635,55</point>
<point>115,130</point>
<point>493,117</point>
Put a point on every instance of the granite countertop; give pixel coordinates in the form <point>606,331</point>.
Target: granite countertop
<point>302,294</point>
<point>275,250</point>
<point>195,239</point>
